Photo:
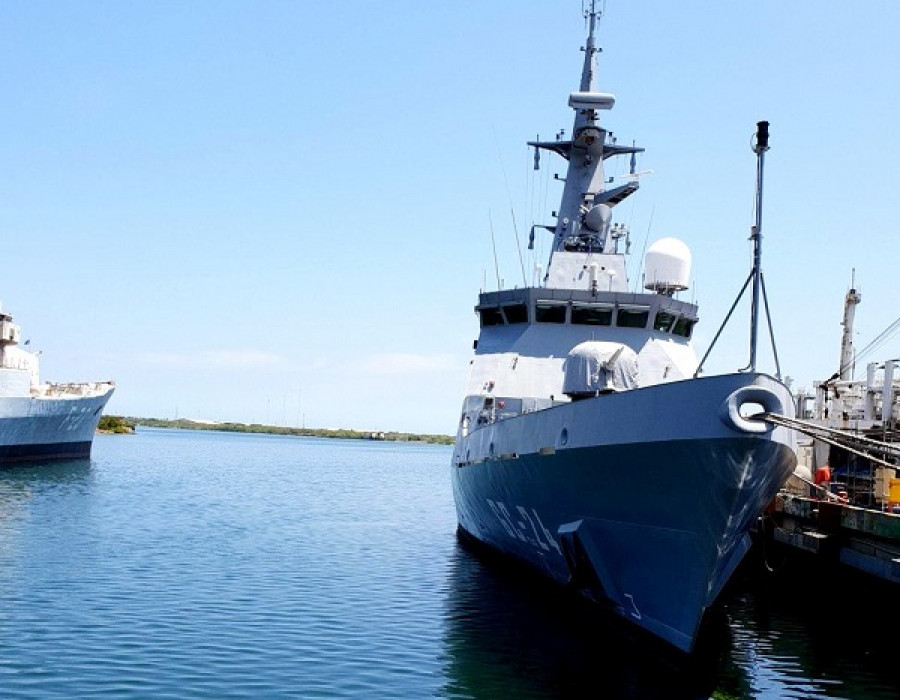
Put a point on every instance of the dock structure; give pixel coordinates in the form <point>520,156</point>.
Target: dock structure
<point>842,503</point>
<point>835,533</point>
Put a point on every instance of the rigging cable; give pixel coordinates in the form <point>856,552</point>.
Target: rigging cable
<point>529,207</point>
<point>816,433</point>
<point>544,203</point>
<point>540,177</point>
<point>511,209</point>
<point>882,337</point>
<point>640,271</point>
<point>494,246</point>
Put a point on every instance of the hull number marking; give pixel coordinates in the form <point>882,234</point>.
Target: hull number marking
<point>524,526</point>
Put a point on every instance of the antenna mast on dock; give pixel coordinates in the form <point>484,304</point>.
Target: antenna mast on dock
<point>756,275</point>
<point>762,145</point>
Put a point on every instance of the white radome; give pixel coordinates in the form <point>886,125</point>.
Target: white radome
<point>667,265</point>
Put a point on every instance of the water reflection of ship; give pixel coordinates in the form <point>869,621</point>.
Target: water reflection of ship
<point>22,483</point>
<point>818,636</point>
<point>43,473</point>
<point>509,633</point>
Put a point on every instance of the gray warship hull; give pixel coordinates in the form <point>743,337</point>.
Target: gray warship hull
<point>649,516</point>
<point>34,429</point>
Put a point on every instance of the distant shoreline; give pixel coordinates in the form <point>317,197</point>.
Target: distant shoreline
<point>128,424</point>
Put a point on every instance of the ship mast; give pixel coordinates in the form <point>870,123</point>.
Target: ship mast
<point>583,226</point>
<point>756,273</point>
<point>584,176</point>
<point>850,301</point>
<point>762,145</point>
<point>590,49</point>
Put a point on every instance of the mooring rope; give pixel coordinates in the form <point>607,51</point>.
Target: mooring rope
<point>816,431</point>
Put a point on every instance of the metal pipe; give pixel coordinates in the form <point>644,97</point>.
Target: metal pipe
<point>762,145</point>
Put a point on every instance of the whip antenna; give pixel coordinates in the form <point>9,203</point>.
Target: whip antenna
<point>756,274</point>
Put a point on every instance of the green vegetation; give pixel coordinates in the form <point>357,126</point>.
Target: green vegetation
<point>115,424</point>
<point>185,424</point>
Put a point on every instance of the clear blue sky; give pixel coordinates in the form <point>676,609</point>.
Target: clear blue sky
<point>280,212</point>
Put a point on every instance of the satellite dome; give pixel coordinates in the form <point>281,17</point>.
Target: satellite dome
<point>667,266</point>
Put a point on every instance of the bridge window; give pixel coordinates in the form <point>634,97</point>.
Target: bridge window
<point>550,313</point>
<point>491,316</point>
<point>516,313</point>
<point>683,327</point>
<point>663,321</point>
<point>632,318</point>
<point>591,315</point>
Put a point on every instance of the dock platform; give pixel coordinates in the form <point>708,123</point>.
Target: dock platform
<point>834,533</point>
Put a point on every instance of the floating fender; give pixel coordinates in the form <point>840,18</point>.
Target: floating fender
<point>730,412</point>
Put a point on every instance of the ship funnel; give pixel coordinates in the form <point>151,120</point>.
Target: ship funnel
<point>667,266</point>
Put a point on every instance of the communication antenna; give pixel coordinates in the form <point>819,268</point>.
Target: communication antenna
<point>762,145</point>
<point>644,250</point>
<point>494,246</point>
<point>512,211</point>
<point>756,274</point>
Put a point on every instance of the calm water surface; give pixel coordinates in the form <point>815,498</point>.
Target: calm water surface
<point>180,564</point>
